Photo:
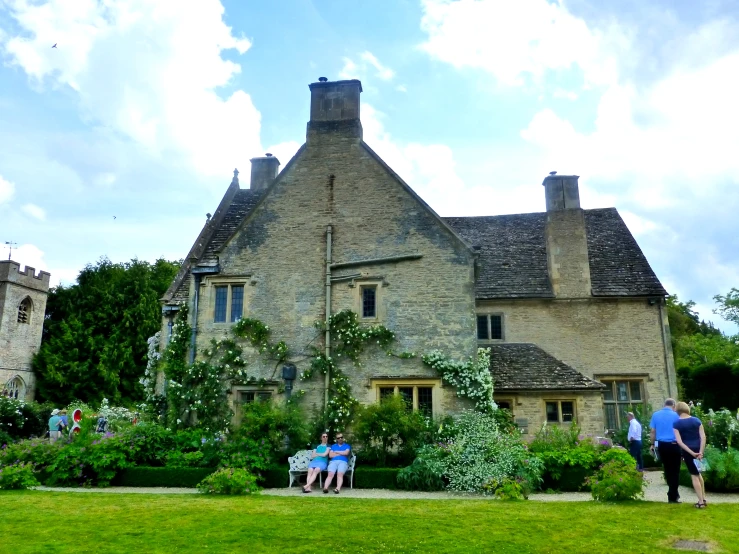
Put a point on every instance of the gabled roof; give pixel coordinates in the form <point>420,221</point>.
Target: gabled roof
<point>513,256</point>
<point>523,367</point>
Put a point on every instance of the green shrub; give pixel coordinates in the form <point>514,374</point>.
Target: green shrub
<point>617,480</point>
<point>229,481</point>
<point>142,476</point>
<point>374,478</point>
<point>722,474</point>
<point>262,430</point>
<point>426,473</point>
<point>17,476</point>
<point>184,459</point>
<point>386,427</point>
<point>569,457</point>
<point>508,489</point>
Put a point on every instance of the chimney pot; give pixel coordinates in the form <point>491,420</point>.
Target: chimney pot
<point>322,79</point>
<point>263,172</point>
<point>268,155</point>
<point>561,192</point>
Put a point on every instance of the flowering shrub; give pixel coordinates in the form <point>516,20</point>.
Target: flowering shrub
<point>153,356</point>
<point>229,481</point>
<point>616,480</point>
<point>471,378</point>
<point>17,476</point>
<point>721,427</point>
<point>20,419</point>
<point>479,455</point>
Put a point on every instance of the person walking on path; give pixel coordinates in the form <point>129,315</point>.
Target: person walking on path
<point>635,442</point>
<point>691,438</point>
<point>661,430</point>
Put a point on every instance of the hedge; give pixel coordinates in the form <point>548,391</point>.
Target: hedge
<point>142,476</point>
<point>364,478</point>
<point>713,484</point>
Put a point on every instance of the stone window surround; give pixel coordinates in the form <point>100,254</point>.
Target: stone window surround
<point>488,313</point>
<point>25,311</point>
<point>269,387</point>
<point>359,284</point>
<point>559,401</point>
<point>435,384</point>
<point>211,282</point>
<point>641,378</point>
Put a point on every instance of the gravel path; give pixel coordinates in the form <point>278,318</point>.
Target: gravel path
<point>656,491</point>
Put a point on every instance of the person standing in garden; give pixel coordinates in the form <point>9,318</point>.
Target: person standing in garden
<point>661,430</point>
<point>55,424</point>
<point>691,438</point>
<point>635,442</point>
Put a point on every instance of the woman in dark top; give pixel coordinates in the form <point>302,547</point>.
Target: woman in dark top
<point>691,437</point>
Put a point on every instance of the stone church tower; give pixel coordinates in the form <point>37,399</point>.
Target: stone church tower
<point>22,308</point>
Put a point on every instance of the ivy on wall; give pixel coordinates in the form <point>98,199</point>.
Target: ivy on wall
<point>197,394</point>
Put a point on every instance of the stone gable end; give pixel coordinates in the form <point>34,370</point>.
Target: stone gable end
<point>425,294</point>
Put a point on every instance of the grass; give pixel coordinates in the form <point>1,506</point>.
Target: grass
<point>37,522</point>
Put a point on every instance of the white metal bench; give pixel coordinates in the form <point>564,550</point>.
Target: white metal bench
<point>299,466</point>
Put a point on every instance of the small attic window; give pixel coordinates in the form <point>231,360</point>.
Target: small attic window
<point>24,311</point>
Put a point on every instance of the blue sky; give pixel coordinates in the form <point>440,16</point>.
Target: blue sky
<point>118,142</point>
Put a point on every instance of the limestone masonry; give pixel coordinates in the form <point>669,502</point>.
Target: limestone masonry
<point>566,300</point>
<point>22,307</point>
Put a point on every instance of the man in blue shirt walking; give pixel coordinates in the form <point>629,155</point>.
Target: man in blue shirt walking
<point>662,430</point>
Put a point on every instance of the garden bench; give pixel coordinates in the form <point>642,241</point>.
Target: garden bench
<point>299,466</point>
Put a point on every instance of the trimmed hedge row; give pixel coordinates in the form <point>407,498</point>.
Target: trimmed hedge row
<point>142,476</point>
<point>273,477</point>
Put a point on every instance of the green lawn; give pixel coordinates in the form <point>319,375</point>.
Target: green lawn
<point>38,522</point>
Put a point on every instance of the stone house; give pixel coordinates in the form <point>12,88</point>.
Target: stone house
<point>566,301</point>
<point>22,308</point>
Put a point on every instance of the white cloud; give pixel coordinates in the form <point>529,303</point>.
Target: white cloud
<point>147,69</point>
<point>368,61</point>
<point>429,169</point>
<point>401,88</point>
<point>6,190</point>
<point>34,211</point>
<point>518,40</point>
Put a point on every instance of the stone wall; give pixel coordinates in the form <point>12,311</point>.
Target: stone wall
<point>601,338</point>
<point>529,410</point>
<point>279,255</point>
<point>20,341</point>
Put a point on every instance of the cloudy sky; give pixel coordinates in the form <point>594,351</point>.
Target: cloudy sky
<point>117,142</point>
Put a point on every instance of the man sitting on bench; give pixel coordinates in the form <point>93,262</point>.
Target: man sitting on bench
<point>338,463</point>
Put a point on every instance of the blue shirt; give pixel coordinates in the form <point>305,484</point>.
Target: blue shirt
<point>689,429</point>
<point>662,422</point>
<point>338,448</point>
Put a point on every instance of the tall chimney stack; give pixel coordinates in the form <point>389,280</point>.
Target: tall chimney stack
<point>334,108</point>
<point>263,171</point>
<point>566,237</point>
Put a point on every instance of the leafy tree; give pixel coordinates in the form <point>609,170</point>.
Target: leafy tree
<point>716,385</point>
<point>695,350</point>
<point>684,321</point>
<point>728,306</point>
<point>95,332</point>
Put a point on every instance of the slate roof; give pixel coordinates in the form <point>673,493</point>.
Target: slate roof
<point>243,203</point>
<point>527,367</point>
<point>513,256</point>
<point>618,267</point>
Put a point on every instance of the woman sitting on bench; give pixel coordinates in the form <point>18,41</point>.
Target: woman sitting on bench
<point>319,462</point>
